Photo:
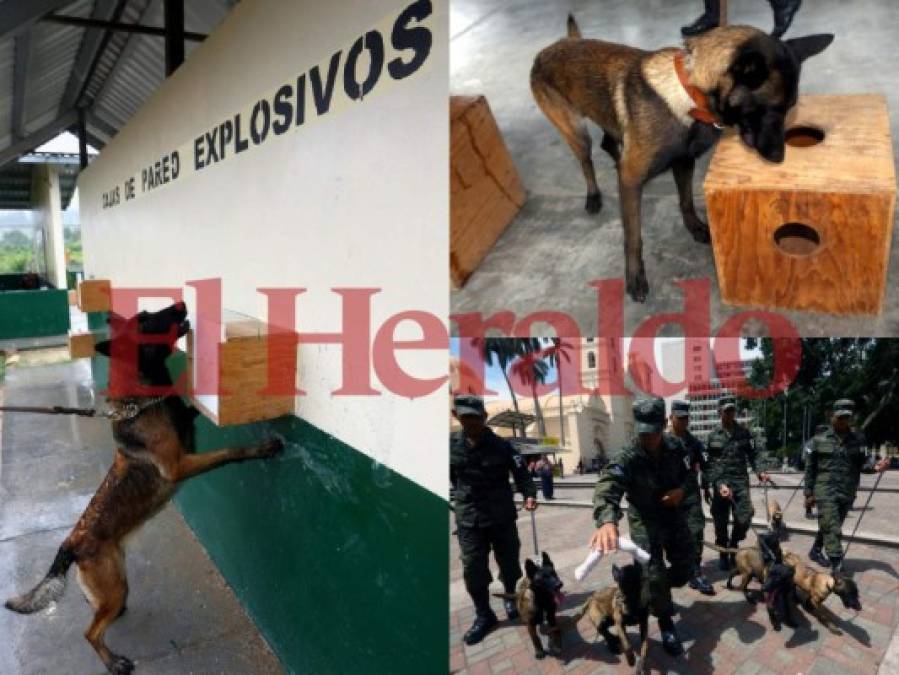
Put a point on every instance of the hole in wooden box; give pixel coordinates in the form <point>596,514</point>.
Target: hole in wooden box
<point>231,380</point>
<point>797,239</point>
<point>803,136</point>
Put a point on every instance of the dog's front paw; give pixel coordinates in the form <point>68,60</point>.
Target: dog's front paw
<point>638,286</point>
<point>540,654</point>
<point>270,448</point>
<point>631,659</point>
<point>593,203</point>
<point>699,230</point>
<point>120,665</point>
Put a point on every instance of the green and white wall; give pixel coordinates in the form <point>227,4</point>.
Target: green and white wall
<point>338,549</point>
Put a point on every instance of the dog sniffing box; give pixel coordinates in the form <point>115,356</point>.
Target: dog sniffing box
<point>814,232</point>
<point>485,190</point>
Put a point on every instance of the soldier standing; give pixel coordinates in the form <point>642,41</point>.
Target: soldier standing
<point>480,464</point>
<point>692,505</point>
<point>654,474</point>
<point>730,449</point>
<point>833,466</point>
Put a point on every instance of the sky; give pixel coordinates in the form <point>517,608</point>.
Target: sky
<point>496,382</point>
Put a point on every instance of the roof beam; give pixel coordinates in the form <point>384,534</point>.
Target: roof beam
<point>22,51</point>
<point>42,135</point>
<point>83,22</point>
<point>93,44</point>
<point>18,16</point>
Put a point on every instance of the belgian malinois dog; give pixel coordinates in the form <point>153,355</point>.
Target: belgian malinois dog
<point>619,606</point>
<point>661,110</point>
<point>817,587</point>
<point>752,562</point>
<point>776,519</point>
<point>538,596</point>
<point>153,454</point>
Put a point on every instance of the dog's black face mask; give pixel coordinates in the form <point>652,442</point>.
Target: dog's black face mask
<point>765,76</point>
<point>167,326</point>
<point>847,590</point>
<point>544,580</point>
<point>630,580</point>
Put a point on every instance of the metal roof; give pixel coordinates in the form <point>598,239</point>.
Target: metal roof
<point>48,70</point>
<point>16,183</point>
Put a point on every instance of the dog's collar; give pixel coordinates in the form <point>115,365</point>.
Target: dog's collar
<point>127,409</point>
<point>701,111</point>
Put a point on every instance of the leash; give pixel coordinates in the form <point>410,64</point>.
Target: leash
<point>534,532</point>
<point>864,511</point>
<point>127,411</point>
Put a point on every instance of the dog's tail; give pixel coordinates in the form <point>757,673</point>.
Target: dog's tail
<point>579,614</point>
<point>50,589</point>
<point>505,596</point>
<point>574,31</point>
<point>721,549</point>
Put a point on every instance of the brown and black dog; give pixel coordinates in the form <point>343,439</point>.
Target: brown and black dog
<point>661,110</point>
<point>538,596</point>
<point>620,606</point>
<point>752,562</point>
<point>153,454</point>
<point>817,587</point>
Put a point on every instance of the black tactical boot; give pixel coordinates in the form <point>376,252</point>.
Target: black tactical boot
<point>483,624</point>
<point>700,583</point>
<point>670,641</point>
<point>836,564</point>
<point>724,562</point>
<point>707,21</point>
<point>784,11</point>
<point>817,556</point>
<point>511,609</point>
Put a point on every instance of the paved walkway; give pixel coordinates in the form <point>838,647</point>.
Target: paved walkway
<point>722,634</point>
<point>181,618</point>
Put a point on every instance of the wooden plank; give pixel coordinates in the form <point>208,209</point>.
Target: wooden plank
<point>94,295</point>
<point>81,345</point>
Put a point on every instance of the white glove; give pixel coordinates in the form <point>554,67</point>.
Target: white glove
<point>624,544</point>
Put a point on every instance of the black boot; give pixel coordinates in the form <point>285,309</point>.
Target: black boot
<point>724,562</point>
<point>707,21</point>
<point>784,11</point>
<point>817,556</point>
<point>484,621</point>
<point>670,641</point>
<point>700,583</point>
<point>511,609</point>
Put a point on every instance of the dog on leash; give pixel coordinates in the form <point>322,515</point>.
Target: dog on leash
<point>661,110</point>
<point>153,455</point>
<point>538,596</point>
<point>752,562</point>
<point>619,606</point>
<point>816,587</point>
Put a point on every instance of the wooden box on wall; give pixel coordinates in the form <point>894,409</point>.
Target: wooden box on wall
<point>94,295</point>
<point>243,375</point>
<point>485,190</point>
<point>814,232</point>
<point>81,345</point>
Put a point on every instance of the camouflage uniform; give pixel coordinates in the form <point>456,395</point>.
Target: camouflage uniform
<point>485,509</point>
<point>692,503</point>
<point>833,467</point>
<point>658,529</point>
<point>729,453</point>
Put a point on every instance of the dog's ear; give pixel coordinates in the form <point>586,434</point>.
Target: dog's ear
<point>750,69</point>
<point>810,45</point>
<point>546,560</point>
<point>104,348</point>
<point>530,569</point>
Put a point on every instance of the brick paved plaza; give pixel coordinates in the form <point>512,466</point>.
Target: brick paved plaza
<point>721,634</point>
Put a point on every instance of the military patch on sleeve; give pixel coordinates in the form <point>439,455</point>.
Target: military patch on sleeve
<point>687,462</point>
<point>810,449</point>
<point>519,460</point>
<point>615,470</point>
<point>705,456</point>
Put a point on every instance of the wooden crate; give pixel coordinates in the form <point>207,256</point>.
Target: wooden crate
<point>485,190</point>
<point>81,345</point>
<point>94,295</point>
<point>243,374</point>
<point>814,232</point>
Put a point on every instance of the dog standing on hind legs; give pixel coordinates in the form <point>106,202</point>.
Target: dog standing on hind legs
<point>661,110</point>
<point>153,455</point>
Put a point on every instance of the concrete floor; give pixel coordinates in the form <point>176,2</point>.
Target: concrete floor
<point>182,617</point>
<point>554,248</point>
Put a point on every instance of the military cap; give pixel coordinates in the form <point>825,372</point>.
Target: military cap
<point>649,414</point>
<point>680,408</point>
<point>726,402</point>
<point>844,407</point>
<point>469,404</point>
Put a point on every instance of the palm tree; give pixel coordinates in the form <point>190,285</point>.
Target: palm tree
<point>554,355</point>
<point>532,370</point>
<point>502,352</point>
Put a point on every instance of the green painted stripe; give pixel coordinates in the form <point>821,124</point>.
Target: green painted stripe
<point>38,313</point>
<point>341,562</point>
